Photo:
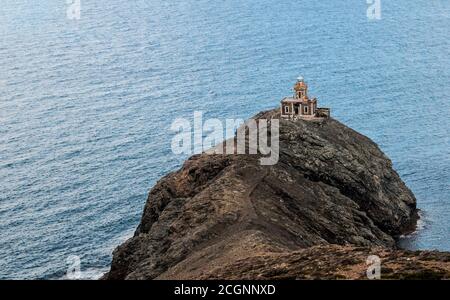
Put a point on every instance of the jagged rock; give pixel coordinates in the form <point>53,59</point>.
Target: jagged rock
<point>227,216</point>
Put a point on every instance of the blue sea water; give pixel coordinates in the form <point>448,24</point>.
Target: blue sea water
<point>86,105</point>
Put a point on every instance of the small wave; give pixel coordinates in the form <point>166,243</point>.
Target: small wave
<point>420,225</point>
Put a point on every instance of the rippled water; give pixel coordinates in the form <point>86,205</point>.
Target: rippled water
<point>86,105</point>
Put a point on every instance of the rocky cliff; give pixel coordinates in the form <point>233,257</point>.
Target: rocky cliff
<point>332,199</point>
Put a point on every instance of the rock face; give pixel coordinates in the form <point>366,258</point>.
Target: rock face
<point>227,216</point>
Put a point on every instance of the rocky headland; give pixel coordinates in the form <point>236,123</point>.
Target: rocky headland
<point>332,200</point>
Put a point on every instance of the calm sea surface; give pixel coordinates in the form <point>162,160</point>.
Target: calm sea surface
<point>86,105</point>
